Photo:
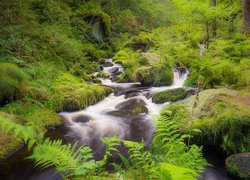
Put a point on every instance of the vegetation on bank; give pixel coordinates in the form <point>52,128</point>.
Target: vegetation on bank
<point>49,48</point>
<point>222,115</point>
<point>167,154</point>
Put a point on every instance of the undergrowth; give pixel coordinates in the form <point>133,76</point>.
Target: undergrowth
<point>167,155</point>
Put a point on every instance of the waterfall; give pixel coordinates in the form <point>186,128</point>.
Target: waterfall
<point>97,121</point>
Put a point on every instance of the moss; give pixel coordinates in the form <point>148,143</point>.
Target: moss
<point>154,75</point>
<point>147,68</point>
<point>239,165</point>
<point>72,93</point>
<point>8,143</point>
<point>42,118</point>
<point>103,75</point>
<point>223,116</point>
<point>169,95</point>
<point>40,94</point>
<point>11,80</point>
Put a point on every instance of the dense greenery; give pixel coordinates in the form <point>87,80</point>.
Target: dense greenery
<point>49,50</point>
<point>167,154</point>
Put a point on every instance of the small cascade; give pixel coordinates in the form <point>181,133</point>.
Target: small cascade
<point>107,118</point>
<point>114,69</point>
<point>179,78</point>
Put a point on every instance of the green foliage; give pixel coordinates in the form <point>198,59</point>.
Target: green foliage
<point>131,62</point>
<point>223,128</point>
<point>77,94</point>
<point>169,95</point>
<point>27,133</point>
<point>168,152</point>
<point>66,158</point>
<point>167,155</point>
<point>177,112</point>
<point>11,81</point>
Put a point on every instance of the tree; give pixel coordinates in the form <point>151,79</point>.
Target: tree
<point>246,14</point>
<point>214,24</point>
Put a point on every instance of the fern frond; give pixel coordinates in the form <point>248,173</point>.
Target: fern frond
<point>27,133</point>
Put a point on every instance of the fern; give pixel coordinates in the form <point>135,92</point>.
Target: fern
<point>27,133</point>
<point>169,146</point>
<point>67,159</point>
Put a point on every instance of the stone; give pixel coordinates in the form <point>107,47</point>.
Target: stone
<point>239,165</point>
<point>134,106</point>
<point>81,119</point>
<point>108,64</point>
<point>169,95</point>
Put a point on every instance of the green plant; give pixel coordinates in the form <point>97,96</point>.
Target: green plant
<point>11,81</point>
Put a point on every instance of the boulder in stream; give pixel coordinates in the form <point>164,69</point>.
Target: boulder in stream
<point>169,95</point>
<point>114,70</point>
<point>239,165</point>
<point>134,106</point>
<point>154,75</point>
<point>108,64</point>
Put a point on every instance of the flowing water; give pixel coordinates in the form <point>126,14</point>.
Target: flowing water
<point>106,119</point>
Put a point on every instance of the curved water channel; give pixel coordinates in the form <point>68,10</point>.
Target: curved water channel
<point>106,119</point>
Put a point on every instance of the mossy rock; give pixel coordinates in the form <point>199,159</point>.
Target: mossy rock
<point>169,95</point>
<point>223,116</point>
<point>134,106</point>
<point>207,99</point>
<point>154,75</point>
<point>239,165</point>
<point>91,78</point>
<point>76,98</point>
<point>103,75</point>
<point>42,118</point>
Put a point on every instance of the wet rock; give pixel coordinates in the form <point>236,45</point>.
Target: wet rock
<point>108,64</point>
<point>134,106</point>
<point>147,94</point>
<point>141,129</point>
<point>169,95</point>
<point>131,87</point>
<point>113,70</point>
<point>239,165</point>
<point>122,114</point>
<point>130,94</point>
<point>81,119</point>
<point>190,91</point>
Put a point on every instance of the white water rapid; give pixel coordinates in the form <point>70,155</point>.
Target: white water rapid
<point>107,119</point>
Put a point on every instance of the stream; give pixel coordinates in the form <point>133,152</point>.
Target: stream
<point>108,118</point>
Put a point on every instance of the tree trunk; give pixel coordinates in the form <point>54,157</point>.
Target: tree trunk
<point>214,24</point>
<point>207,35</point>
<point>246,14</point>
